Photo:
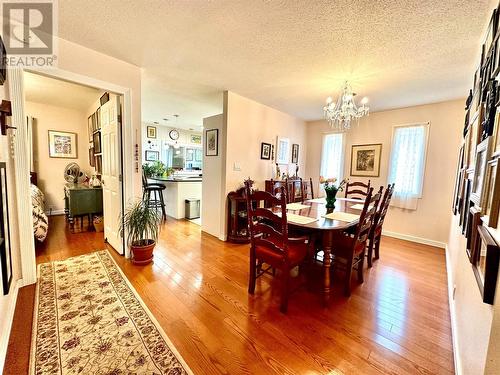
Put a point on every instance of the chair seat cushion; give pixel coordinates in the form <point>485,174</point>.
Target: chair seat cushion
<point>273,256</point>
<point>152,187</point>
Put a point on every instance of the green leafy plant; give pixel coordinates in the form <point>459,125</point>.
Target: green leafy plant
<point>157,169</point>
<point>141,224</point>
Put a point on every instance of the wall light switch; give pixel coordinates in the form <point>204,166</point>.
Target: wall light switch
<point>237,166</point>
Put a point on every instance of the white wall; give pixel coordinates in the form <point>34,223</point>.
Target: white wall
<point>8,302</point>
<point>83,61</point>
<point>431,219</point>
<point>250,123</point>
<point>214,168</point>
<point>50,170</point>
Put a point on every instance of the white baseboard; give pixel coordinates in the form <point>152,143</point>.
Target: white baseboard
<point>453,316</point>
<point>9,317</point>
<point>54,212</point>
<point>407,237</point>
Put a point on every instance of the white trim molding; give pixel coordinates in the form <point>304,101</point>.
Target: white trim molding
<point>9,318</point>
<point>407,237</point>
<point>22,169</point>
<point>453,316</point>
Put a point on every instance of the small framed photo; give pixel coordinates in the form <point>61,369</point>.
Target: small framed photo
<point>62,145</point>
<point>282,150</point>
<point>492,194</point>
<point>265,151</point>
<point>212,142</point>
<point>496,133</point>
<point>97,142</point>
<point>474,135</point>
<point>365,160</point>
<point>90,128</point>
<point>486,259</point>
<point>91,156</point>
<point>151,131</point>
<point>195,139</point>
<point>481,160</point>
<point>295,153</point>
<point>152,155</point>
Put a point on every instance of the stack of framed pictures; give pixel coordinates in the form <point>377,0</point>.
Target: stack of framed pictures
<point>477,187</point>
<point>94,133</point>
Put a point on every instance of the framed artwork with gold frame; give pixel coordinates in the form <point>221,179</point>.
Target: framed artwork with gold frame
<point>474,135</point>
<point>492,194</point>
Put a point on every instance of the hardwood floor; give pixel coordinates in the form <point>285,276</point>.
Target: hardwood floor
<point>396,322</point>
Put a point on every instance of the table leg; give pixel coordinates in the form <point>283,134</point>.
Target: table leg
<point>327,251</point>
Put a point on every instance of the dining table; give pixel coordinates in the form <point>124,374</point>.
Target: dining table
<point>313,217</point>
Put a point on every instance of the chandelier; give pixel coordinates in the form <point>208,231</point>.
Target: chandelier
<point>339,115</point>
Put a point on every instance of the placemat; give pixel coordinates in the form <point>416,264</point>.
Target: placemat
<point>342,216</point>
<point>296,206</point>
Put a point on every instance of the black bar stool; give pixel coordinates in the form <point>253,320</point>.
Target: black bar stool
<point>157,200</point>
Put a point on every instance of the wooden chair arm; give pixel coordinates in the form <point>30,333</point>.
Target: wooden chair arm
<point>304,239</point>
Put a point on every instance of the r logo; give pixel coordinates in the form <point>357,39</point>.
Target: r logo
<point>28,28</point>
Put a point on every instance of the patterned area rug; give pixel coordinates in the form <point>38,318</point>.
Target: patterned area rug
<point>89,320</point>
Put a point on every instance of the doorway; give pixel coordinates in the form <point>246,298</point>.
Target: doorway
<point>75,148</point>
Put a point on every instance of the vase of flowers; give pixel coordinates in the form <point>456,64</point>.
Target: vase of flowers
<point>331,189</point>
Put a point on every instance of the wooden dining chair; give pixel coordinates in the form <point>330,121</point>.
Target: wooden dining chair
<point>352,248</point>
<point>298,190</point>
<point>276,189</point>
<point>357,189</point>
<point>308,189</point>
<point>378,222</point>
<point>269,241</point>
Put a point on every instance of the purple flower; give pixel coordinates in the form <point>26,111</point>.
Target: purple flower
<point>71,343</point>
<point>121,321</point>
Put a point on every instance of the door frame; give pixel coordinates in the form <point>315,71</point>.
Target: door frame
<point>17,95</point>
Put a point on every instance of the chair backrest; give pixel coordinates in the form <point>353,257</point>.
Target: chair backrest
<point>366,218</point>
<point>384,206</point>
<point>276,188</point>
<point>297,190</point>
<point>144,179</point>
<point>357,189</point>
<point>308,189</point>
<point>267,228</point>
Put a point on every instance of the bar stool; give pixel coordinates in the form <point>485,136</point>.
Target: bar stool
<point>157,200</point>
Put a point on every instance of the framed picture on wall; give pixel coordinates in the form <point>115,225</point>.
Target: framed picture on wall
<point>90,128</point>
<point>62,145</point>
<point>212,142</point>
<point>365,160</point>
<point>265,151</point>
<point>481,160</point>
<point>97,142</point>
<point>151,131</point>
<point>196,139</point>
<point>295,153</point>
<point>152,155</point>
<point>5,246</point>
<point>91,156</point>
<point>282,150</point>
<point>485,264</point>
<point>492,194</point>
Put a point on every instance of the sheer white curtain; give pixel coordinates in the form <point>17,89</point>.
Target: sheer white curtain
<point>332,157</point>
<point>407,166</point>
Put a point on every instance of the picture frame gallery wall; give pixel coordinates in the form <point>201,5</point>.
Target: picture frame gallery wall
<point>476,198</point>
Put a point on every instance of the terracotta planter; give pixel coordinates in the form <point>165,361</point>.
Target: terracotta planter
<point>142,255</point>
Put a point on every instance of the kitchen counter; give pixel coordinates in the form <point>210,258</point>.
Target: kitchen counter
<point>176,191</point>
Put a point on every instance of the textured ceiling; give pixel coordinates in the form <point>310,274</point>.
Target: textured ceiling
<point>289,54</point>
<point>52,91</point>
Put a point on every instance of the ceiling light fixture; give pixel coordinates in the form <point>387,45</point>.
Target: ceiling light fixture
<point>339,115</point>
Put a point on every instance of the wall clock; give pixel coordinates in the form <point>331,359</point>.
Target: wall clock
<point>174,134</point>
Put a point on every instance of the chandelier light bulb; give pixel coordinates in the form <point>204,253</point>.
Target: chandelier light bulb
<point>364,101</point>
<point>329,100</point>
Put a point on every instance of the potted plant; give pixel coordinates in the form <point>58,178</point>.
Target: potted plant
<point>141,225</point>
<point>331,189</point>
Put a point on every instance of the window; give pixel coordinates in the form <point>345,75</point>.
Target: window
<point>332,157</point>
<point>407,166</point>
